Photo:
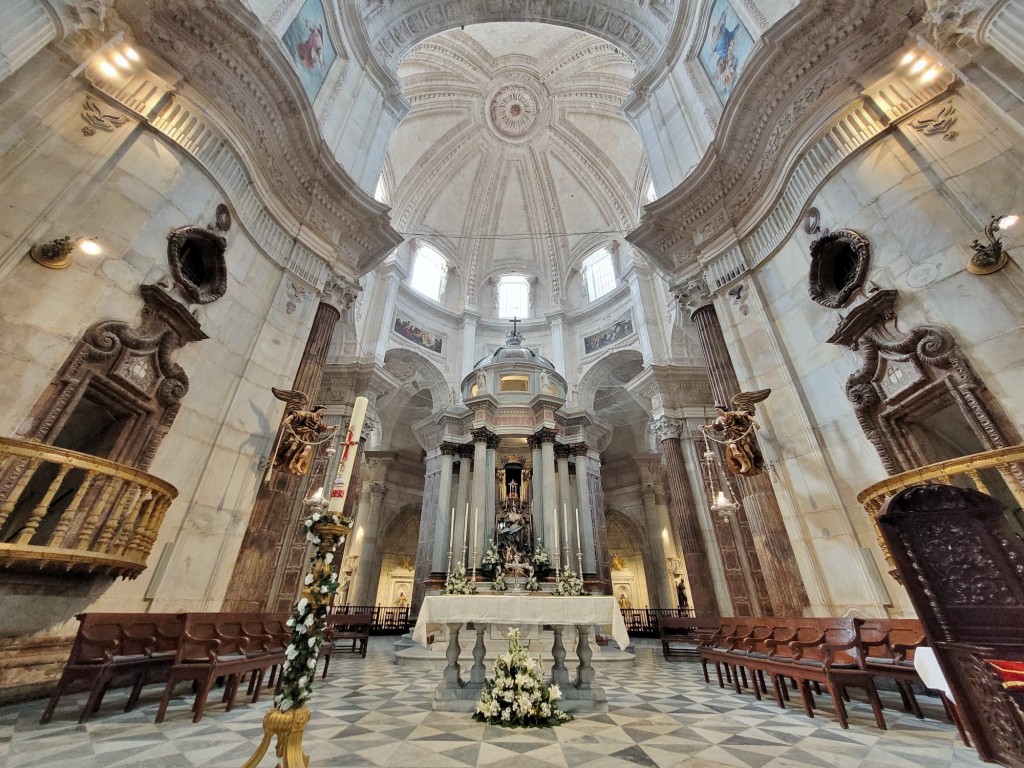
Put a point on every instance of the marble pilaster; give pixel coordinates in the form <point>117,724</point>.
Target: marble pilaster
<point>363,593</point>
<point>582,451</point>
<point>549,491</point>
<point>445,505</point>
<point>685,521</point>
<point>660,586</point>
<point>771,541</point>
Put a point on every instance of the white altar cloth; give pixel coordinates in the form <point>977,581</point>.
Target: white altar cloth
<point>520,610</point>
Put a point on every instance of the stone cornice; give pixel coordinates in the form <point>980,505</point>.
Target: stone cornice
<point>394,27</point>
<point>239,73</point>
<point>789,88</point>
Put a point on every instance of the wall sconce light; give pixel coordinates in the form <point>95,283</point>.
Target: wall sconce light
<point>990,257</point>
<point>56,254</point>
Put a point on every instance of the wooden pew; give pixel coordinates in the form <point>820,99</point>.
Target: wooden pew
<point>345,632</point>
<point>684,631</point>
<point>117,650</point>
<point>887,648</point>
<point>216,645</point>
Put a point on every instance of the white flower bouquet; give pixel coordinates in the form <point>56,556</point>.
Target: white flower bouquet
<point>458,584</point>
<point>499,584</point>
<point>569,584</point>
<point>516,695</point>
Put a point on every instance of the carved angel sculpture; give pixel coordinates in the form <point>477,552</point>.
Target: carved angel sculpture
<point>737,427</point>
<point>301,430</point>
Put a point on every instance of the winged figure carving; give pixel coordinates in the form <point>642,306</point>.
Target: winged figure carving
<point>737,426</point>
<point>301,429</point>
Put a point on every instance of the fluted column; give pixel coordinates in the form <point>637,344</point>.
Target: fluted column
<point>363,592</point>
<point>482,438</point>
<point>462,494</point>
<point>659,582</point>
<point>771,541</point>
<point>589,546</point>
<point>685,521</point>
<point>485,523</point>
<point>549,490</point>
<point>267,546</point>
<point>565,499</point>
<point>445,505</point>
<point>540,515</point>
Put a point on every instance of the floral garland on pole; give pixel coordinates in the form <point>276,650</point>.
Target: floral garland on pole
<point>517,695</point>
<point>310,613</point>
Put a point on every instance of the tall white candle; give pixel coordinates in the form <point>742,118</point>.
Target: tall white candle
<point>565,527</point>
<point>554,518</point>
<point>579,541</point>
<point>451,538</point>
<point>346,461</point>
<point>465,530</point>
<point>476,511</point>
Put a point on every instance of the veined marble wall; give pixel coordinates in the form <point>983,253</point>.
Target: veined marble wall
<point>128,189</point>
<point>920,200</point>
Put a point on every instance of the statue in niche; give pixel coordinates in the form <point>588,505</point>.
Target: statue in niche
<point>302,430</point>
<point>545,383</point>
<point>514,526</point>
<point>481,383</point>
<point>624,601</point>
<point>684,602</point>
<point>737,427</point>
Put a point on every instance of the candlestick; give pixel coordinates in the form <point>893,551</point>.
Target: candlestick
<point>476,511</point>
<point>579,541</point>
<point>557,550</point>
<point>347,460</point>
<point>465,533</point>
<point>565,525</point>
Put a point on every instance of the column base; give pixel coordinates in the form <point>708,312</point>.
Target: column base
<point>583,700</point>
<point>461,699</point>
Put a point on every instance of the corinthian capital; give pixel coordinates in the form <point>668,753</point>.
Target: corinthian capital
<point>378,489</point>
<point>692,295</point>
<point>668,428</point>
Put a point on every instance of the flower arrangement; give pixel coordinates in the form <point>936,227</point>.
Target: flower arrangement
<point>499,584</point>
<point>309,614</point>
<point>541,561</point>
<point>532,585</point>
<point>569,584</point>
<point>516,695</point>
<point>458,584</point>
<point>491,559</point>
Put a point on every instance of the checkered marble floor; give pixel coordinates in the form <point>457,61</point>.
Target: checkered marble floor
<point>370,712</point>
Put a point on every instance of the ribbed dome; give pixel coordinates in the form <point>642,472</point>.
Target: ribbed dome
<point>514,352</point>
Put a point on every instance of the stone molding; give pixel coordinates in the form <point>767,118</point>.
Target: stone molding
<point>762,125</point>
<point>669,428</point>
<point>239,74</point>
<point>639,29</point>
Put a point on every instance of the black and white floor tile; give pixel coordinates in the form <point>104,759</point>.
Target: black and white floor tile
<point>370,712</point>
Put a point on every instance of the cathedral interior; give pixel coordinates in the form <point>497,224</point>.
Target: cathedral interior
<point>659,288</point>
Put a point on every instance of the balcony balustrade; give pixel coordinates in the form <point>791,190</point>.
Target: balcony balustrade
<point>62,511</point>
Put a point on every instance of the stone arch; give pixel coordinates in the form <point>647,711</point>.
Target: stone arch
<point>423,389</point>
<point>396,555</point>
<point>603,393</point>
<point>641,31</point>
<point>628,550</point>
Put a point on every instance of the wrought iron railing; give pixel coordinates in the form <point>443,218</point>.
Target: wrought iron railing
<point>643,622</point>
<point>387,619</point>
<point>69,512</point>
<point>998,473</point>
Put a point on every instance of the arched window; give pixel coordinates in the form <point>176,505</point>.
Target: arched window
<point>381,193</point>
<point>652,195</point>
<point>513,296</point>
<point>429,272</point>
<point>599,273</point>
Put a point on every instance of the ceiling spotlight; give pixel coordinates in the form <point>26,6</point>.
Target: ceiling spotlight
<point>121,61</point>
<point>908,57</point>
<point>106,68</point>
<point>930,75</point>
<point>919,65</point>
<point>131,53</point>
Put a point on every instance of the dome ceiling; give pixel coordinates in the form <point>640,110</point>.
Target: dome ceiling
<point>514,156</point>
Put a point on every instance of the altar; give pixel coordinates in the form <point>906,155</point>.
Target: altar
<point>479,612</point>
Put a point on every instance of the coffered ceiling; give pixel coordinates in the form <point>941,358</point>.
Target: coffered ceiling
<point>514,155</point>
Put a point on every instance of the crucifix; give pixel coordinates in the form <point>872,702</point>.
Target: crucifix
<point>515,322</point>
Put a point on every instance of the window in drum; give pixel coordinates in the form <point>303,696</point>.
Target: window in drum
<point>513,296</point>
<point>429,272</point>
<point>599,273</point>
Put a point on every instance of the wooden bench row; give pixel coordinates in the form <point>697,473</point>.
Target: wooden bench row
<point>121,650</point>
<point>832,652</point>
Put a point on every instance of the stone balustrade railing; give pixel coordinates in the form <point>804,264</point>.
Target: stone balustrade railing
<point>68,512</point>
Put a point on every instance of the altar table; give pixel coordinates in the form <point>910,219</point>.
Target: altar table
<point>480,611</point>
